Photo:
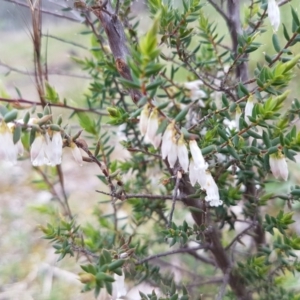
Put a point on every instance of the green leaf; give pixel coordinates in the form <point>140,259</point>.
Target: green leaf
<point>182,114</point>
<point>129,83</point>
<point>295,17</point>
<point>243,89</point>
<point>273,150</point>
<point>253,134</point>
<point>17,134</point>
<point>209,149</point>
<point>108,286</point>
<point>295,192</point>
<point>223,134</point>
<point>285,33</point>
<point>86,122</point>
<point>276,43</point>
<point>116,264</point>
<point>26,118</point>
<point>51,94</point>
<point>10,116</point>
<point>148,43</point>
<point>107,256</point>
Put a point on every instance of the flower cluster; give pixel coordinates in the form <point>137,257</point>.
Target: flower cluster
<point>46,148</point>
<point>274,14</point>
<point>173,148</point>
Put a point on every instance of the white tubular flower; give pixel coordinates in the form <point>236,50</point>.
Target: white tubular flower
<point>118,287</point>
<point>197,174</point>
<point>167,140</point>
<point>172,155</point>
<point>8,150</point>
<point>212,191</point>
<point>53,148</point>
<point>248,110</point>
<point>157,140</point>
<point>152,127</point>
<point>37,151</point>
<point>274,14</point>
<point>18,146</point>
<point>192,173</point>
<point>144,119</point>
<point>279,166</point>
<point>45,150</point>
<point>195,92</point>
<point>230,124</point>
<point>76,153</point>
<point>197,156</point>
<point>182,153</point>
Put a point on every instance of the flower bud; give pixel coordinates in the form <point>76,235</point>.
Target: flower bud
<point>86,277</point>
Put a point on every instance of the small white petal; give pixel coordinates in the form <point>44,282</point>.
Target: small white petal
<point>118,287</point>
<point>157,140</point>
<point>201,176</point>
<point>37,153</point>
<point>248,110</point>
<point>76,154</point>
<point>212,191</point>
<point>279,166</point>
<point>172,155</point>
<point>152,127</point>
<point>16,148</point>
<point>197,156</point>
<point>192,173</point>
<point>57,144</point>
<point>193,85</point>
<point>230,124</point>
<point>216,202</point>
<point>144,119</point>
<point>183,155</point>
<point>274,14</point>
<point>195,92</point>
<point>167,141</point>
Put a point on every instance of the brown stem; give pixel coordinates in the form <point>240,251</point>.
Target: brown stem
<point>213,238</point>
<point>117,42</point>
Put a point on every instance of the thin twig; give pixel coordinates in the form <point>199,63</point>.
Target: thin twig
<point>219,10</point>
<point>203,259</point>
<point>16,102</point>
<point>58,73</point>
<point>178,177</point>
<point>176,251</point>
<point>48,12</point>
<point>223,286</point>
<point>145,196</point>
<point>117,7</point>
<point>64,41</point>
<point>84,251</point>
<point>240,235</point>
